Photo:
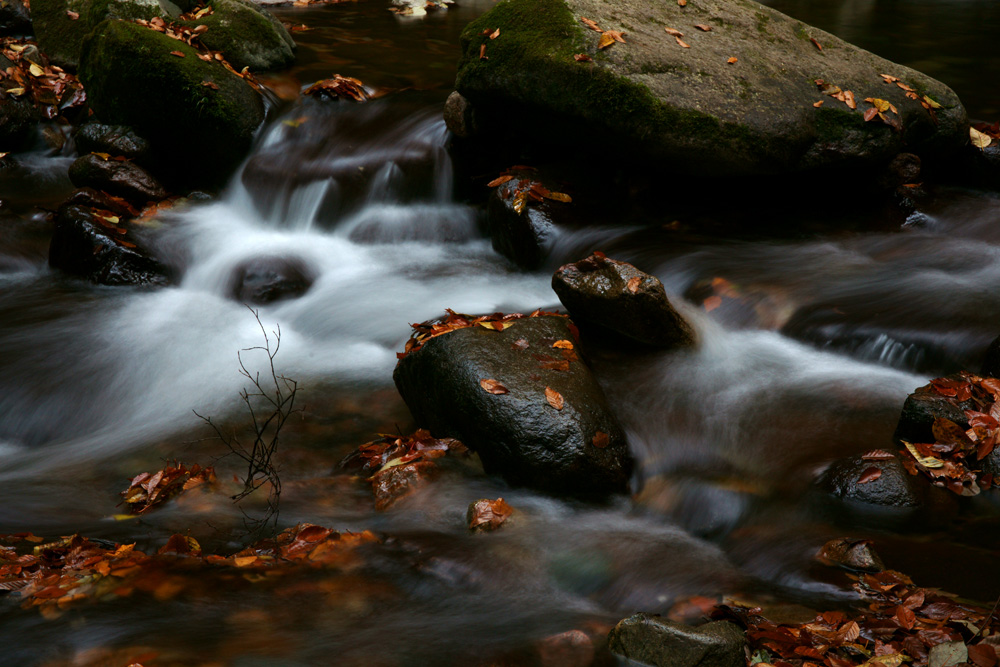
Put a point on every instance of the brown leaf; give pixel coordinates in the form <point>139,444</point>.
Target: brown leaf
<point>563,344</point>
<point>702,27</point>
<point>815,43</point>
<point>521,344</point>
<point>591,24</point>
<point>673,33</point>
<point>482,52</point>
<point>72,15</point>
<point>818,104</point>
<point>711,303</point>
<point>905,617</point>
<point>682,43</point>
<point>489,514</point>
<point>889,79</point>
<point>870,114</point>
<point>733,60</point>
<point>177,53</point>
<point>554,398</point>
<point>600,440</point>
<point>633,284</point>
<point>500,180</point>
<point>877,455</point>
<point>869,475</point>
<point>495,34</point>
<point>554,365</point>
<point>582,58</point>
<point>905,87</point>
<point>849,100</point>
<point>491,386</point>
<point>209,84</point>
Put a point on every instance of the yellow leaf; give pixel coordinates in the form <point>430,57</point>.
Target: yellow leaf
<point>243,561</point>
<point>558,196</point>
<point>932,103</point>
<point>16,91</point>
<point>296,122</point>
<point>113,219</point>
<point>103,156</point>
<point>520,202</point>
<point>881,105</point>
<point>605,41</point>
<point>36,70</point>
<point>891,660</point>
<point>979,140</point>
<point>925,461</point>
<point>124,517</point>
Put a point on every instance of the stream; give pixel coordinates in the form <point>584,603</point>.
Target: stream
<point>823,329</point>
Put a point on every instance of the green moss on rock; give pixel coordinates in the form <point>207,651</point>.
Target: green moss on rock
<point>59,36</point>
<point>197,133</point>
<point>248,35</point>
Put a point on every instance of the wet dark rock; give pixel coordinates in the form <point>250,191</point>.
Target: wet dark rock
<point>111,139</point>
<point>91,198</point>
<point>991,361</point>
<point>117,177</point>
<point>903,169</point>
<point>83,245</point>
<point>197,134</point>
<point>18,121</point>
<point>525,238</point>
<point>458,116</point>
<point>919,412</point>
<point>248,35</point>
<point>689,110</point>
<point>578,450</point>
<point>893,487</point>
<point>265,279</point>
<point>620,298</point>
<point>61,36</point>
<point>14,18</point>
<point>653,640</point>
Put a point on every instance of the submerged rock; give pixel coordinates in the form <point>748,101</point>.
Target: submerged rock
<point>265,279</point>
<point>87,245</point>
<point>740,100</point>
<point>198,133</point>
<point>533,412</point>
<point>111,139</point>
<point>619,297</point>
<point>247,34</point>
<point>120,178</point>
<point>653,640</point>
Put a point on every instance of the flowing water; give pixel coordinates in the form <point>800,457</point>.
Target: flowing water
<point>820,335</point>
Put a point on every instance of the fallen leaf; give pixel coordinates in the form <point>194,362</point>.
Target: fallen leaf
<point>210,84</point>
<point>871,113</point>
<point>600,440</point>
<point>591,24</point>
<point>673,33</point>
<point>979,140</point>
<point>489,514</point>
<point>482,52</point>
<point>815,43</point>
<point>711,303</point>
<point>616,35</point>
<point>72,15</point>
<point>818,104</point>
<point>682,43</point>
<point>177,53</point>
<point>558,196</point>
<point>495,34</point>
<point>582,58</point>
<point>881,105</point>
<point>889,79</point>
<point>36,70</point>
<point>849,100</point>
<point>931,103</point>
<point>703,27</point>
<point>492,386</point>
<point>926,461</point>
<point>521,344</point>
<point>905,87</point>
<point>733,60</point>
<point>563,344</point>
<point>633,284</point>
<point>869,475</point>
<point>682,3</point>
<point>554,398</point>
<point>499,180</point>
<point>520,201</point>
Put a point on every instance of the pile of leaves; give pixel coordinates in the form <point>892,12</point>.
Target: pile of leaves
<point>525,190</point>
<point>901,624</point>
<point>150,490</point>
<point>53,576</point>
<point>955,459</point>
<point>51,90</point>
<point>339,87</point>
<point>398,466</point>
<point>425,331</point>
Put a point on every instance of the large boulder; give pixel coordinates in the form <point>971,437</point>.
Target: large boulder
<point>652,640</point>
<point>120,178</point>
<point>545,423</point>
<point>62,25</point>
<point>619,298</point>
<point>247,34</point>
<point>102,249</point>
<point>696,110</point>
<point>199,118</point>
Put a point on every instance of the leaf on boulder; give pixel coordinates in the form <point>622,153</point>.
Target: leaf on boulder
<point>500,180</point>
<point>486,515</point>
<point>600,440</point>
<point>733,60</point>
<point>672,32</point>
<point>563,345</point>
<point>869,475</point>
<point>979,140</point>
<point>491,386</point>
<point>703,27</point>
<point>554,398</point>
<point>495,34</point>
<point>582,58</point>
<point>682,43</point>
<point>591,24</point>
<point>815,43</point>
<point>177,53</point>
<point>605,41</point>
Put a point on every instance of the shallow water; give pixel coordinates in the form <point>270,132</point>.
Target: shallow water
<point>819,337</point>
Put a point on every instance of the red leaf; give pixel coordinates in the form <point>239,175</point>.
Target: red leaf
<point>870,114</point>
<point>869,475</point>
<point>600,440</point>
<point>554,398</point>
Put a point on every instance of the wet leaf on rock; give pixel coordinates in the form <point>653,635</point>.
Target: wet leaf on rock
<point>733,60</point>
<point>563,344</point>
<point>339,87</point>
<point>582,58</point>
<point>600,440</point>
<point>491,386</point>
<point>633,284</point>
<point>150,490</point>
<point>703,27</point>
<point>672,32</point>
<point>179,54</point>
<point>605,41</point>
<point>554,398</point>
<point>682,43</point>
<point>869,474</point>
<point>433,328</point>
<point>979,139</point>
<point>488,515</point>
<point>591,24</point>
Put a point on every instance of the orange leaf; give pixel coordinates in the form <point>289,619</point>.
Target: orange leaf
<point>711,303</point>
<point>869,475</point>
<point>732,61</point>
<point>554,398</point>
<point>871,113</point>
<point>177,53</point>
<point>582,58</point>
<point>849,99</point>
<point>591,24</point>
<point>563,344</point>
<point>209,84</point>
<point>482,52</point>
<point>557,196</point>
<point>815,43</point>
<point>702,27</point>
<point>492,386</point>
<point>495,34</point>
<point>499,181</point>
<point>673,33</point>
<point>682,43</point>
<point>618,36</point>
<point>682,3</point>
<point>72,15</point>
<point>605,41</point>
<point>600,440</point>
<point>633,284</point>
<point>818,104</point>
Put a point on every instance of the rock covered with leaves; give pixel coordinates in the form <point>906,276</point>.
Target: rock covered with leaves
<point>247,35</point>
<point>515,390</point>
<point>709,87</point>
<point>620,298</point>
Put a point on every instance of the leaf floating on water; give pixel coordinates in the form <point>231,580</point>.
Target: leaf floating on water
<point>711,303</point>
<point>682,43</point>
<point>554,398</point>
<point>500,180</point>
<point>600,440</point>
<point>582,58</point>
<point>869,475</point>
<point>733,60</point>
<point>673,33</point>
<point>495,34</point>
<point>979,140</point>
<point>563,345</point>
<point>491,386</point>
<point>489,514</point>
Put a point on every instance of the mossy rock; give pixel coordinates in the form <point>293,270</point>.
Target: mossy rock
<point>248,35</point>
<point>61,37</point>
<point>689,110</point>
<point>198,134</point>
